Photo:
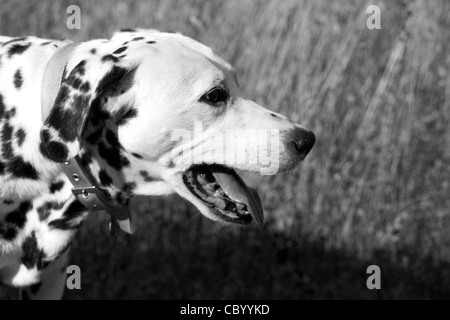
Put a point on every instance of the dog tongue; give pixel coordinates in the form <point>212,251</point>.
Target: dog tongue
<point>237,191</point>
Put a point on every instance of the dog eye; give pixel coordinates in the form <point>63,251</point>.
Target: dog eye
<point>215,97</point>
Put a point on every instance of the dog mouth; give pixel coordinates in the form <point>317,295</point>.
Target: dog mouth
<point>224,193</point>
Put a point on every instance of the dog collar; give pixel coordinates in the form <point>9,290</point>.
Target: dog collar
<point>84,188</point>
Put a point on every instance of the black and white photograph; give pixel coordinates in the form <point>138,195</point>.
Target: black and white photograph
<point>224,154</point>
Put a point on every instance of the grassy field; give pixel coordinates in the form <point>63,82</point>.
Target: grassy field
<point>374,190</point>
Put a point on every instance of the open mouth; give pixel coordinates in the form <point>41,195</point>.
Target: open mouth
<point>224,193</point>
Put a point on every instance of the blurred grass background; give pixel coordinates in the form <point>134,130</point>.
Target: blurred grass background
<point>374,190</point>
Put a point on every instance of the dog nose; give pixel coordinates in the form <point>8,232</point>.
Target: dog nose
<point>304,141</point>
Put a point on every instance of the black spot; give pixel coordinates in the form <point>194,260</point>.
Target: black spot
<point>74,81</point>
<point>124,114</point>
<point>22,169</point>
<point>74,211</point>
<point>8,231</point>
<point>274,115</point>
<point>110,57</point>
<point>56,186</point>
<point>120,50</point>
<point>85,87</point>
<point>80,69</point>
<point>8,202</point>
<point>20,136</point>
<point>128,30</point>
<point>7,131</point>
<point>137,38</point>
<point>112,156</point>
<point>93,51</point>
<point>14,221</point>
<point>94,137</point>
<point>112,139</point>
<point>151,42</point>
<point>55,151</point>
<point>52,150</point>
<point>11,113</point>
<point>97,114</point>
<point>7,150</point>
<point>45,210</point>
<point>31,254</point>
<point>86,158</point>
<point>107,153</point>
<point>2,107</point>
<point>18,79</point>
<point>129,187</point>
<point>45,43</point>
<point>104,178</point>
<point>124,162</point>
<point>144,174</point>
<point>45,136</point>
<point>115,74</point>
<point>18,217</point>
<point>18,49</point>
<point>2,167</point>
<point>136,155</point>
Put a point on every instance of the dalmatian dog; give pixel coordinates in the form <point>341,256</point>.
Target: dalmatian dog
<point>117,105</point>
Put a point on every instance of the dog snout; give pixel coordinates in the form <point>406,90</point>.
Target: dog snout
<point>303,141</point>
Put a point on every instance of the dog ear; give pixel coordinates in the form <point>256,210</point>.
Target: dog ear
<point>79,91</point>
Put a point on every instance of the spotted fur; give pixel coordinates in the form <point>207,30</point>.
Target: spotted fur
<point>118,102</point>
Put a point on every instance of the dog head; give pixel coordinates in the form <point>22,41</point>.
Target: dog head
<point>154,113</point>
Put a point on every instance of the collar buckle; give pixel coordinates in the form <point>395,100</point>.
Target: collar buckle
<point>95,199</point>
